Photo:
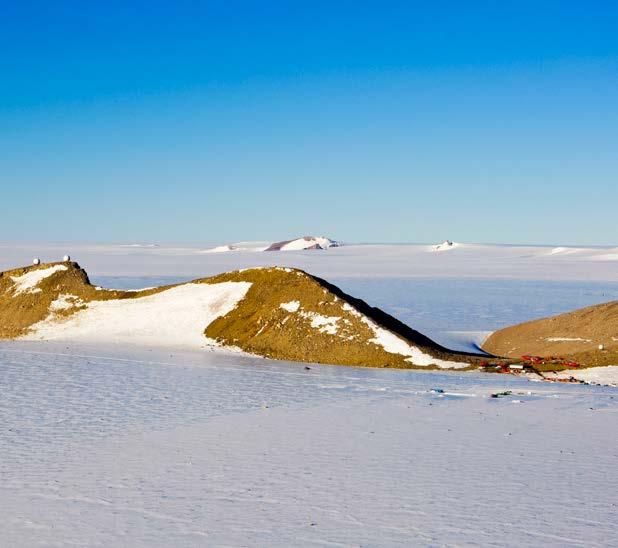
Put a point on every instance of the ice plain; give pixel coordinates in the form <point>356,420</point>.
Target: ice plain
<point>132,446</point>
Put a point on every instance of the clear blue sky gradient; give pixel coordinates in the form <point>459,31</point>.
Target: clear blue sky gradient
<point>361,120</point>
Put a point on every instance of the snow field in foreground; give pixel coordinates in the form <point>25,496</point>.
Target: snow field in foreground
<point>151,449</point>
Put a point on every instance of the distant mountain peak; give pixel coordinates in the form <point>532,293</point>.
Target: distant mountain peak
<point>303,243</point>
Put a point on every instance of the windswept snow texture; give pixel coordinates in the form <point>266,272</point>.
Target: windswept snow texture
<point>27,283</point>
<point>175,317</point>
<point>148,449</point>
<point>125,446</point>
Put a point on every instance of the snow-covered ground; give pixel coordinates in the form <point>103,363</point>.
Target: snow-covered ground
<point>176,317</point>
<point>385,261</point>
<point>239,247</point>
<point>111,447</point>
<point>106,445</point>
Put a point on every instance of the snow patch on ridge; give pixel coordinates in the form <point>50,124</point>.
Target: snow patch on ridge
<point>175,317</point>
<point>291,306</point>
<point>396,345</point>
<point>324,324</point>
<point>567,339</point>
<point>27,283</point>
<point>65,302</point>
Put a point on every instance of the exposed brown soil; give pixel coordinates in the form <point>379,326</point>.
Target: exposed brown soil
<point>587,328</point>
<point>260,325</point>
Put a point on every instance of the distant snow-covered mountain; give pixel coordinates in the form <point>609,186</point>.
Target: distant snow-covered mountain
<point>298,244</point>
<point>306,242</point>
<point>445,245</point>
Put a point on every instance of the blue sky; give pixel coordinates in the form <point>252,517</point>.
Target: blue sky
<point>365,121</point>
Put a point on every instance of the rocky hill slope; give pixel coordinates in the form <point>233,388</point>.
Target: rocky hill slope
<point>576,336</point>
<point>274,312</point>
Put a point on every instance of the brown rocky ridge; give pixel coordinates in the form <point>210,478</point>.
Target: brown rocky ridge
<point>284,314</point>
<point>587,337</point>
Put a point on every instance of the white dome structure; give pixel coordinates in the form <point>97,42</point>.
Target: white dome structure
<point>36,261</point>
<point>66,258</point>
